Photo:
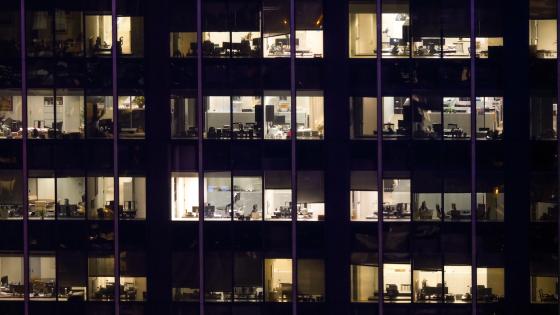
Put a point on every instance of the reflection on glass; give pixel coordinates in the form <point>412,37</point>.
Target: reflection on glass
<point>183,117</point>
<point>42,277</point>
<point>71,276</point>
<point>490,284</point>
<point>247,278</point>
<point>247,198</point>
<point>217,196</point>
<point>69,33</point>
<point>11,277</point>
<point>10,114</point>
<point>132,116</point>
<point>99,116</point>
<point>217,117</point>
<point>363,117</point>
<point>39,33</point>
<point>397,283</point>
<point>311,280</point>
<point>544,201</point>
<point>396,199</point>
<point>41,198</point>
<point>182,44</point>
<point>11,195</point>
<point>185,276</point>
<point>69,114</point>
<point>70,197</point>
<point>362,29</point>
<point>364,278</point>
<point>184,196</point>
<point>542,38</point>
<point>277,115</point>
<point>101,280</point>
<point>278,280</point>
<point>544,289</point>
<point>543,117</point>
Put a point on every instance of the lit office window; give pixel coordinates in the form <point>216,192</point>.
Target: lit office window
<point>246,28</point>
<point>41,197</point>
<point>311,280</point>
<point>184,196</point>
<point>428,286</point>
<point>458,281</point>
<point>311,195</point>
<point>544,289</point>
<point>39,33</point>
<point>543,117</point>
<point>363,117</point>
<point>133,276</point>
<point>397,117</point>
<point>71,276</point>
<point>363,196</point>
<point>247,197</point>
<point>42,277</point>
<point>98,30</point>
<point>277,195</point>
<point>247,117</point>
<point>489,47</point>
<point>276,28</point>
<point>217,117</point>
<point>183,117</point>
<point>309,29</point>
<point>132,116</point>
<point>41,113</point>
<point>185,276</point>
<point>69,33</point>
<point>396,199</point>
<point>248,277</point>
<point>99,116</point>
<point>182,44</point>
<point>442,47</point>
<point>544,202</point>
<point>132,193</point>
<point>218,275</point>
<point>277,114</point>
<point>364,278</point>
<point>10,114</point>
<point>217,196</point>
<point>70,114</point>
<point>278,280</point>
<point>216,44</point>
<point>426,117</point>
<point>456,118</point>
<point>427,205</point>
<point>395,38</point>
<point>362,28</point>
<point>130,36</point>
<point>310,115</point>
<point>101,279</point>
<point>100,195</point>
<point>70,197</point>
<point>456,206</point>
<point>489,118</point>
<point>11,276</point>
<point>490,204</point>
<point>490,284</point>
<point>397,284</point>
<point>542,38</point>
<point>11,194</point>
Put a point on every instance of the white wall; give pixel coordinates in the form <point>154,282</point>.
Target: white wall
<point>71,188</point>
<point>13,268</point>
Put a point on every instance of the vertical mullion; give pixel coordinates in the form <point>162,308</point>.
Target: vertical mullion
<point>379,179</point>
<point>200,123</point>
<point>557,131</point>
<point>474,287</point>
<point>25,171</point>
<point>293,131</point>
<point>116,254</point>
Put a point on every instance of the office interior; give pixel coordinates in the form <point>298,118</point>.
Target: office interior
<point>364,278</point>
<point>544,111</point>
<point>11,195</point>
<point>100,193</point>
<point>544,289</point>
<point>542,38</point>
<point>183,117</point>
<point>11,277</point>
<point>544,202</point>
<point>101,281</point>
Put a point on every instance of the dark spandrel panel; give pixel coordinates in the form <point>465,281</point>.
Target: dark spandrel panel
<point>71,308</point>
<point>424,73</point>
<point>425,310</point>
<point>99,73</point>
<point>41,236</point>
<point>542,75</point>
<point>491,309</point>
<point>101,235</point>
<point>456,243</point>
<point>277,309</point>
<point>69,155</point>
<point>460,151</point>
<point>397,76</point>
<point>185,235</point>
<point>427,155</point>
<point>215,73</point>
<point>309,74</point>
<point>69,73</point>
<point>422,13</point>
<point>312,308</point>
<point>185,308</point>
<point>490,155</point>
<point>490,244</point>
<point>217,235</point>
<point>217,155</point>
<point>454,76</point>
<point>246,155</point>
<point>247,310</point>
<point>99,155</point>
<point>15,230</point>
<point>132,156</point>
<point>396,237</point>
<point>9,38</point>
<point>183,73</point>
<point>397,155</point>
<point>363,309</point>
<point>362,76</point>
<point>276,155</point>
<point>215,16</point>
<point>40,154</point>
<point>40,72</point>
<point>133,235</point>
<point>245,74</point>
<point>244,14</point>
<point>455,18</point>
<point>311,154</point>
<point>71,234</point>
<point>183,157</point>
<point>10,154</point>
<point>489,75</point>
<point>10,73</point>
<point>543,156</point>
<point>248,236</point>
<point>364,155</point>
<point>542,239</point>
<point>277,236</point>
<point>457,309</point>
<point>97,6</point>
<point>544,309</point>
<point>311,239</point>
<point>47,308</point>
<point>131,73</point>
<point>392,309</point>
<point>182,15</point>
<point>130,7</point>
<point>426,238</point>
<point>364,237</point>
<point>276,73</point>
<point>100,308</point>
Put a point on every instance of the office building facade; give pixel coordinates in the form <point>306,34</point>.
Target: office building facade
<point>279,157</point>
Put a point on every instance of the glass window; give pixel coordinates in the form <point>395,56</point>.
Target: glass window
<point>490,205</point>
<point>245,23</point>
<point>456,118</point>
<point>309,28</point>
<point>133,276</point>
<point>183,117</point>
<point>132,116</point>
<point>397,117</point>
<point>542,38</point>
<point>311,195</point>
<point>362,29</point>
<point>39,33</point>
<point>70,114</point>
<point>363,196</point>
<point>397,282</point>
<point>278,279</point>
<point>217,117</point>
<point>311,280</point>
<point>41,197</point>
<point>310,115</point>
<point>216,44</point>
<point>182,44</point>
<point>395,38</point>
<point>71,276</point>
<point>218,276</point>
<point>544,201</point>
<point>426,117</point>
<point>69,33</point>
<point>100,196</point>
<point>277,114</point>
<point>544,289</point>
<point>185,276</point>
<point>11,195</point>
<point>11,276</point>
<point>457,206</point>
<point>489,47</point>
<point>276,28</point>
<point>363,117</point>
<point>217,196</point>
<point>427,206</point>
<point>10,114</point>
<point>70,197</point>
<point>543,118</point>
<point>41,109</point>
<point>42,277</point>
<point>130,34</point>
<point>247,117</point>
<point>132,193</point>
<point>99,116</point>
<point>184,196</point>
<point>396,199</point>
<point>489,118</point>
<point>98,35</point>
<point>490,284</point>
<point>247,277</point>
<point>428,286</point>
<point>277,195</point>
<point>247,197</point>
<point>364,278</point>
<point>101,279</point>
<point>458,282</point>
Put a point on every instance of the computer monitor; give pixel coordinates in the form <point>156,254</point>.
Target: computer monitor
<point>279,120</point>
<point>282,41</point>
<point>4,280</point>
